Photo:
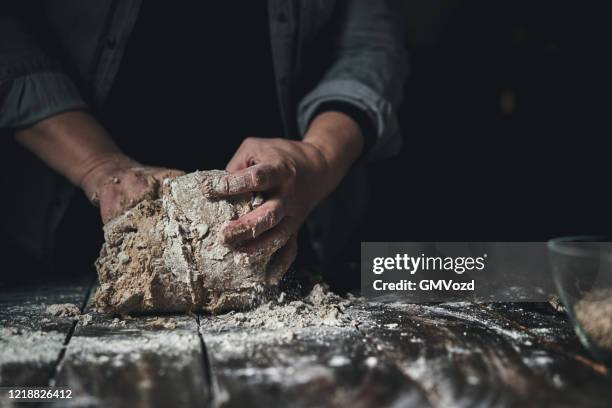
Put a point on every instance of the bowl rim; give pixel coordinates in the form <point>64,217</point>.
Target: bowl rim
<point>556,245</point>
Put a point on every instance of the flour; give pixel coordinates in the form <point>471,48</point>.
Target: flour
<point>276,341</point>
<point>124,347</point>
<point>594,313</point>
<point>319,317</point>
<point>320,308</point>
<point>32,347</point>
<point>167,253</point>
<point>85,319</point>
<point>339,361</point>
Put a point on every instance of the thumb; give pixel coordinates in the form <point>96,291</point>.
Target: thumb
<point>240,161</point>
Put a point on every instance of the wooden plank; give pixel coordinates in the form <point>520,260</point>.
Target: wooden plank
<point>322,366</point>
<point>552,331</point>
<point>374,354</point>
<point>465,355</point>
<point>144,361</point>
<point>30,339</point>
<point>540,320</point>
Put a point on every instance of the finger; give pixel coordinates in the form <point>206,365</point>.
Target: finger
<point>163,174</point>
<point>281,261</point>
<point>270,241</point>
<point>260,177</point>
<point>107,214</point>
<point>112,205</point>
<point>243,157</point>
<point>254,223</point>
<point>121,194</point>
<point>166,174</point>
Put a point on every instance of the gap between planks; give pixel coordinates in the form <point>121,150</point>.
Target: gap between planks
<point>207,366</point>
<point>206,362</point>
<point>60,358</point>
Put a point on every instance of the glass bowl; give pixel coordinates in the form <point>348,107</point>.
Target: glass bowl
<point>582,272</point>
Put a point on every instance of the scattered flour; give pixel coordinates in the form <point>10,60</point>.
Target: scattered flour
<point>30,347</point>
<point>318,317</point>
<point>371,361</point>
<point>123,348</point>
<point>85,319</point>
<point>339,361</point>
<point>320,308</point>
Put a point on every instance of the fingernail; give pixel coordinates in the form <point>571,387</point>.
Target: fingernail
<point>227,237</point>
<point>216,187</point>
<point>230,235</point>
<point>222,185</point>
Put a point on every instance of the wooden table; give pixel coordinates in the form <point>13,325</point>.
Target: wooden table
<point>441,355</point>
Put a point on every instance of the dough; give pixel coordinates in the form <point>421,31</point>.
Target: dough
<point>166,254</point>
<point>63,310</point>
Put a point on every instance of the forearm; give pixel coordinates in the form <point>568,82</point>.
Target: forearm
<point>338,138</point>
<point>76,145</point>
<point>72,143</point>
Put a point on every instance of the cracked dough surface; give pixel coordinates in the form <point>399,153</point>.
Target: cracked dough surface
<point>167,255</point>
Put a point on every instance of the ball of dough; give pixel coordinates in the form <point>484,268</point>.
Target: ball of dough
<point>167,254</point>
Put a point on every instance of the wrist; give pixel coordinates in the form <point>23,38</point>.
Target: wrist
<point>98,170</point>
<point>338,139</point>
<point>72,143</point>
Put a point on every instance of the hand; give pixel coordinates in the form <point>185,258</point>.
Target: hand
<point>77,146</point>
<point>117,183</point>
<point>292,177</point>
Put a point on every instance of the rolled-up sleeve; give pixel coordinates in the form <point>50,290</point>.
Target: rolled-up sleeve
<point>32,84</point>
<point>34,97</point>
<point>368,71</point>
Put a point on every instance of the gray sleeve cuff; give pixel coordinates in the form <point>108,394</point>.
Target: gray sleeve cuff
<point>380,111</point>
<point>34,97</point>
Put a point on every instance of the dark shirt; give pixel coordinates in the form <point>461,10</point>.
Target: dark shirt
<point>196,79</point>
<point>365,69</point>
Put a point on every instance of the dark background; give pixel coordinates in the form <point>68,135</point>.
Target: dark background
<point>505,125</point>
<point>505,128</point>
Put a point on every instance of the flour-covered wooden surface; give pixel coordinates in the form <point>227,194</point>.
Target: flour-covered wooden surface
<point>320,350</point>
<point>31,340</point>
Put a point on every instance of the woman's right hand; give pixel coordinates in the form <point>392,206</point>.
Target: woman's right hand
<point>75,145</point>
<point>117,183</point>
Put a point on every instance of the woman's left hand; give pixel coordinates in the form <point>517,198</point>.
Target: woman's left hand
<point>293,177</point>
